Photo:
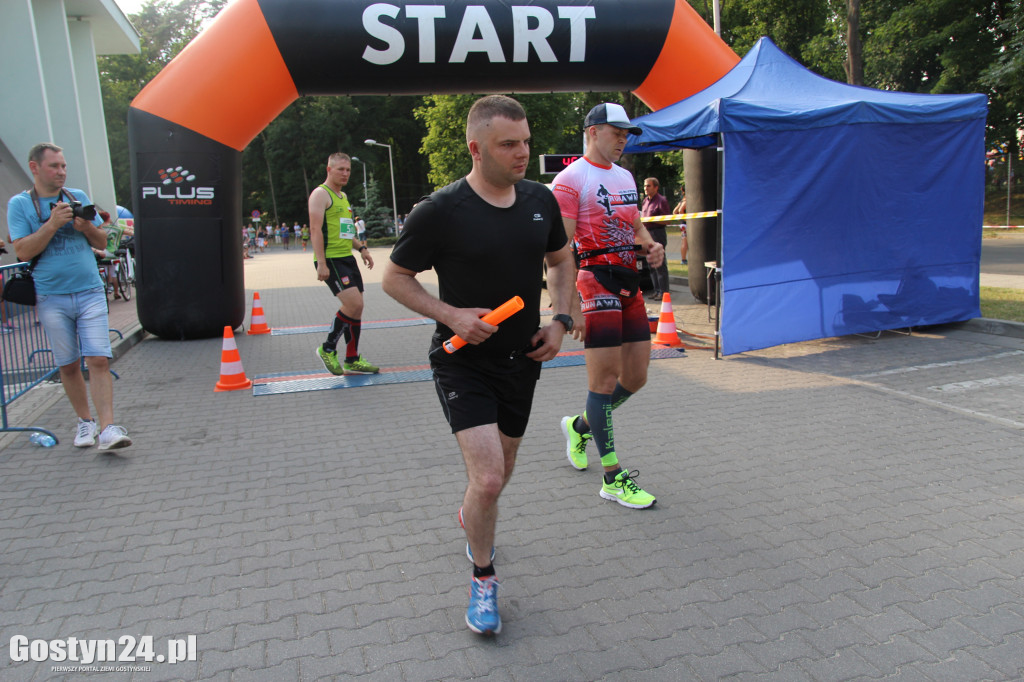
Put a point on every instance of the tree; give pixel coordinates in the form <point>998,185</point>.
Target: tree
<point>379,217</point>
<point>556,127</point>
<point>1005,75</point>
<point>942,46</point>
<point>854,63</point>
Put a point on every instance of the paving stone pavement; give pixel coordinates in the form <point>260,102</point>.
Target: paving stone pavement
<point>841,509</point>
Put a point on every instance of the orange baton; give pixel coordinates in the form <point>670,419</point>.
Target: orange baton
<point>496,316</point>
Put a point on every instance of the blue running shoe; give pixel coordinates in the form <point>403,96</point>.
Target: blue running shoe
<point>469,552</point>
<point>482,615</point>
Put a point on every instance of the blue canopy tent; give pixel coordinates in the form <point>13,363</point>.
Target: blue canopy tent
<point>844,209</point>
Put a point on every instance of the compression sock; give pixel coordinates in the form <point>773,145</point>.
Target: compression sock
<point>599,409</point>
<point>619,396</point>
<point>337,329</point>
<point>352,338</point>
<point>483,572</point>
<point>609,476</point>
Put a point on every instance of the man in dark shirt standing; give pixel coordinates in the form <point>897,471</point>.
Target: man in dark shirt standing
<point>487,236</point>
<point>654,204</point>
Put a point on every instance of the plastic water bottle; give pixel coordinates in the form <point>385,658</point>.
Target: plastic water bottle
<point>43,440</point>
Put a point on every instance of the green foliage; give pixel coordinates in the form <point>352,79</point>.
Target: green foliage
<point>1005,76</point>
<point>378,215</point>
<point>445,142</point>
<point>556,127</point>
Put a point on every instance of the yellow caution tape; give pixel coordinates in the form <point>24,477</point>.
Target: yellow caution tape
<point>679,216</point>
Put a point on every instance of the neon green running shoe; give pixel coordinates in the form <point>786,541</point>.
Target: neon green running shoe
<point>360,366</point>
<point>575,444</point>
<point>627,493</point>
<point>330,360</point>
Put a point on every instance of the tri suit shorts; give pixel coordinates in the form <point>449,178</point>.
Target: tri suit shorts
<point>477,389</point>
<point>344,274</point>
<point>612,320</point>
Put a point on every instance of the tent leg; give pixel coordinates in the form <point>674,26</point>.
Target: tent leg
<point>719,219</point>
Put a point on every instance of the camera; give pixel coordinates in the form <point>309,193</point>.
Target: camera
<point>79,211</point>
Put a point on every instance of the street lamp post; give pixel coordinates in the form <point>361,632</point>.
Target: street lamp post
<point>356,158</point>
<point>391,163</point>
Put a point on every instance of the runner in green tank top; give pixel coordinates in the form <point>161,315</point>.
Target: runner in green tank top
<point>333,235</point>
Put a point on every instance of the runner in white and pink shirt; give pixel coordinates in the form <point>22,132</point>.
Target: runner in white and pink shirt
<point>599,205</point>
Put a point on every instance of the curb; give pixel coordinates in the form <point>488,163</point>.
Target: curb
<point>130,338</point>
<point>985,325</point>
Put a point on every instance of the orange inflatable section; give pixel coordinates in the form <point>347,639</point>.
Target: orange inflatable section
<point>228,84</point>
<point>693,58</point>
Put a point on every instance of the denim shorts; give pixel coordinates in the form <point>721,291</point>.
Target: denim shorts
<point>75,324</point>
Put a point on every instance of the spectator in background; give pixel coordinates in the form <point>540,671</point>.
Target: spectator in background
<point>681,208</point>
<point>655,204</point>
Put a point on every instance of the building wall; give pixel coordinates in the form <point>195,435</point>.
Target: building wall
<point>50,90</point>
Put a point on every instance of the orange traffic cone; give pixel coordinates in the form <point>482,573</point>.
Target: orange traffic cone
<point>667,334</point>
<point>232,376</point>
<point>258,323</point>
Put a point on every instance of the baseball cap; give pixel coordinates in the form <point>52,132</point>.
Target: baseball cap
<point>613,115</point>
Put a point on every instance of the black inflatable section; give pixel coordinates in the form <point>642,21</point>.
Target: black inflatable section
<point>700,167</point>
<point>189,277</point>
<point>417,48</point>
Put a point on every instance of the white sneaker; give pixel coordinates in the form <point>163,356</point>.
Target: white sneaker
<point>114,437</point>
<point>86,436</point>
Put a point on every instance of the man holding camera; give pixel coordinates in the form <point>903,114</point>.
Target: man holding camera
<point>59,227</point>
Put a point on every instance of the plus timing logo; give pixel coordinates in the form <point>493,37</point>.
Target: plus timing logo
<point>176,188</point>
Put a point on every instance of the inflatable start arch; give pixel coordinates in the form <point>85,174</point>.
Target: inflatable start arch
<point>188,127</point>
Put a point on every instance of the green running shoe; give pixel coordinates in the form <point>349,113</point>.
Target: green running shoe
<point>575,444</point>
<point>330,360</point>
<point>360,366</point>
<point>627,493</point>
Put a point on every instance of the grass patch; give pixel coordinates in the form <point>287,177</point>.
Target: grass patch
<point>1005,232</point>
<point>1002,304</point>
<point>995,206</point>
<point>678,269</point>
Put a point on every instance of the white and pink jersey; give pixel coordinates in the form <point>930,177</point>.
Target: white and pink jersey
<point>603,202</point>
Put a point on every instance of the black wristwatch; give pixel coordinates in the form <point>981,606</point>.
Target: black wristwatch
<point>565,320</point>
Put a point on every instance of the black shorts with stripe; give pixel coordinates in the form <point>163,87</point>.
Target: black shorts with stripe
<point>485,390</point>
<point>344,274</point>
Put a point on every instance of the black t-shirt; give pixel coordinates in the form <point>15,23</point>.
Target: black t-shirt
<point>485,255</point>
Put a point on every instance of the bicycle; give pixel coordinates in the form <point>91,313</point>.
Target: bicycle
<point>123,264</point>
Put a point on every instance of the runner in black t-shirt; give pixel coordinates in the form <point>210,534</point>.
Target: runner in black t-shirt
<point>487,236</point>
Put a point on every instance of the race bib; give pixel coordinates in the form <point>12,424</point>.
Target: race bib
<point>348,229</point>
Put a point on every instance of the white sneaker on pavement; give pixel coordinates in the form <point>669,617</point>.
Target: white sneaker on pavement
<point>114,437</point>
<point>86,435</point>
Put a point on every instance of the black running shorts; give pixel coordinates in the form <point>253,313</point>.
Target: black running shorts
<point>485,391</point>
<point>344,274</point>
